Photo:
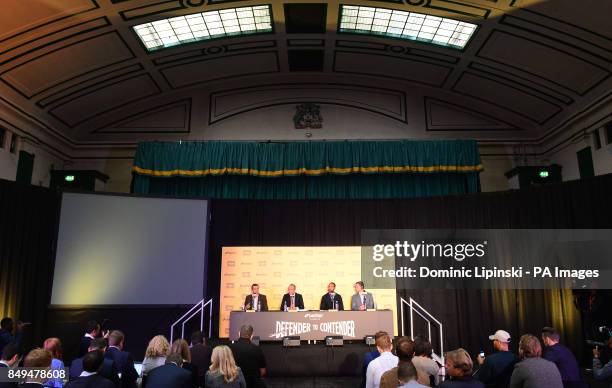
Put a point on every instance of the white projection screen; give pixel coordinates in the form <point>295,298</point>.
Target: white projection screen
<point>123,250</point>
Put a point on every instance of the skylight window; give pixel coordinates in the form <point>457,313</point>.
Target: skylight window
<point>406,25</point>
<point>204,26</point>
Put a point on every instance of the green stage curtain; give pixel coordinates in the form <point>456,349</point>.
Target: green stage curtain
<point>300,170</point>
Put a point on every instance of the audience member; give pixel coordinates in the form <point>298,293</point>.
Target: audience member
<point>533,371</point>
<point>40,359</point>
<point>108,369</point>
<point>6,332</point>
<point>495,370</point>
<point>249,358</point>
<point>54,346</point>
<point>223,370</point>
<point>382,363</point>
<point>90,377</point>
<point>459,369</point>
<point>181,347</point>
<point>92,330</point>
<point>404,350</point>
<point>600,373</point>
<point>156,353</point>
<point>9,358</point>
<point>423,362</point>
<point>170,375</point>
<point>560,355</point>
<point>369,356</point>
<point>200,355</point>
<point>123,360</point>
<point>407,376</point>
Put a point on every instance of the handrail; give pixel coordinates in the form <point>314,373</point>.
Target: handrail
<point>192,312</point>
<point>423,313</point>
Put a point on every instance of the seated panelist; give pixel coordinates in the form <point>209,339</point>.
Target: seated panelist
<point>291,300</point>
<point>361,300</point>
<point>331,300</point>
<point>255,300</point>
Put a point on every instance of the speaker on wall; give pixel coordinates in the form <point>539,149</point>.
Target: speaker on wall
<point>25,167</point>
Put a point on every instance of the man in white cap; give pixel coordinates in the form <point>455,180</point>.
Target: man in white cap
<point>495,370</point>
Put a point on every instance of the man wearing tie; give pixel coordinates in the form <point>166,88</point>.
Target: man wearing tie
<point>331,299</point>
<point>292,300</point>
<point>361,300</point>
<point>255,300</point>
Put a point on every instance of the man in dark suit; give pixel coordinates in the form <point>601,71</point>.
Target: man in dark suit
<point>331,299</point>
<point>249,358</point>
<point>40,359</point>
<point>6,332</point>
<point>9,357</point>
<point>92,362</point>
<point>108,369</point>
<point>170,375</point>
<point>255,300</point>
<point>200,355</point>
<point>292,300</point>
<point>92,330</point>
<point>123,360</point>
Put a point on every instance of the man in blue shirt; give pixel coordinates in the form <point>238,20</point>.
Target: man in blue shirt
<point>6,333</point>
<point>495,370</point>
<point>560,355</point>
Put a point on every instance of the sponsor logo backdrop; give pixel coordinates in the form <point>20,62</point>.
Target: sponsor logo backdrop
<point>309,268</point>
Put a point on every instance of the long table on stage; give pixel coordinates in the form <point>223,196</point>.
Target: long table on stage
<point>311,325</point>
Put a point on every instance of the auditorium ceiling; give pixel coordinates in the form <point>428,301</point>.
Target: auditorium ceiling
<point>77,68</point>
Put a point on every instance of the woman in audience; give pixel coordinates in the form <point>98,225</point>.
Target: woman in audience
<point>181,347</point>
<point>533,371</point>
<point>155,355</point>
<point>54,346</point>
<point>223,371</point>
<point>459,367</point>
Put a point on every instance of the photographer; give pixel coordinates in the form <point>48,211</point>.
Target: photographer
<point>602,372</point>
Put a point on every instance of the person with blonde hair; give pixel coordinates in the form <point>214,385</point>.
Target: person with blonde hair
<point>156,353</point>
<point>181,347</point>
<point>54,346</point>
<point>459,367</point>
<point>223,372</point>
<point>533,371</point>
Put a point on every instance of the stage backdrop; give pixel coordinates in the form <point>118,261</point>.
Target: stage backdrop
<point>309,268</point>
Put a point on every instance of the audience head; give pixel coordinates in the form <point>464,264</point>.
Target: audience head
<point>116,338</point>
<point>458,363</point>
<point>255,288</point>
<point>291,289</point>
<point>98,344</point>
<point>550,336</point>
<point>38,358</point>
<point>501,340</point>
<point>359,286</point>
<point>222,361</point>
<point>158,347</point>
<point>529,346</point>
<point>406,372</point>
<point>331,287</point>
<point>181,347</point>
<point>422,347</point>
<point>246,331</point>
<point>6,324</point>
<point>175,359</point>
<point>383,343</point>
<point>404,350</point>
<point>92,328</point>
<point>54,346</point>
<point>197,337</point>
<point>92,361</point>
<point>10,354</point>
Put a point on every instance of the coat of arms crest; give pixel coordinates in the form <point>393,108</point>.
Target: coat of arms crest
<point>308,115</point>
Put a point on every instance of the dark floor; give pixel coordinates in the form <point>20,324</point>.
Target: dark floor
<point>312,382</point>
